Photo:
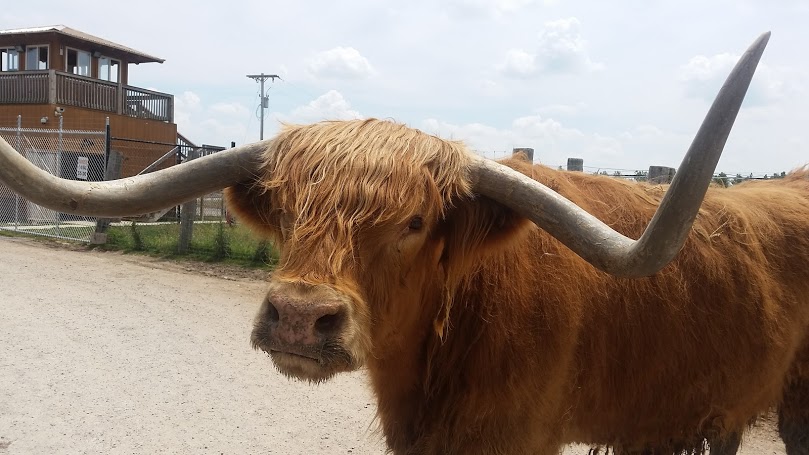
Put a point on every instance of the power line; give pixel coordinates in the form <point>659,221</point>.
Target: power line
<point>261,78</point>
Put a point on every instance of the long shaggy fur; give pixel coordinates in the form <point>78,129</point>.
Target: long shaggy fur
<point>492,337</point>
<point>394,172</point>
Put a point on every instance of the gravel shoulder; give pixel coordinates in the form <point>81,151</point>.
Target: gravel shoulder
<point>110,353</point>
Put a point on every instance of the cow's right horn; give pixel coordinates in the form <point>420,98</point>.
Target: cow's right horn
<point>596,242</point>
<point>134,195</point>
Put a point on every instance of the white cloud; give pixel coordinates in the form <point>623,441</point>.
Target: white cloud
<point>475,135</point>
<point>488,87</point>
<point>513,5</point>
<point>549,138</point>
<point>606,148</point>
<point>561,109</point>
<point>497,8</point>
<point>340,63</point>
<point>560,49</point>
<point>535,126</point>
<point>648,131</point>
<point>519,63</point>
<point>188,101</point>
<point>563,49</point>
<point>701,68</point>
<point>329,106</point>
<point>217,124</point>
<point>643,132</point>
<point>185,105</point>
<point>703,76</point>
<point>236,110</point>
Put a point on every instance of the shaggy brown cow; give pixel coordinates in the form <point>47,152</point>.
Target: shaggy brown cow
<point>484,333</point>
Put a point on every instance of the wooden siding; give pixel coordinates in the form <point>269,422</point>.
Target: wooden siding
<point>136,155</point>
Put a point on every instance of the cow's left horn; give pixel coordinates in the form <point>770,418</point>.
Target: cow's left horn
<point>596,242</point>
<point>134,195</point>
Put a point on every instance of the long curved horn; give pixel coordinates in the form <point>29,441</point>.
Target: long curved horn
<point>134,195</point>
<point>596,242</point>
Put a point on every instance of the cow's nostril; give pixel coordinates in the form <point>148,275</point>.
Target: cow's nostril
<point>330,323</point>
<point>272,312</point>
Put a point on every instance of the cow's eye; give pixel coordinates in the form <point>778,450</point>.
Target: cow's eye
<point>416,223</point>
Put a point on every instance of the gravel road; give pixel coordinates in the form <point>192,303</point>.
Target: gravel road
<point>104,353</point>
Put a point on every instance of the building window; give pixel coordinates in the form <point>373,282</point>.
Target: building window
<point>108,69</point>
<point>10,59</point>
<point>78,62</point>
<point>36,58</point>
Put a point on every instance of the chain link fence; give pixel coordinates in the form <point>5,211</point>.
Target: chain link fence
<point>84,155</point>
<point>139,158</point>
<point>70,154</point>
<point>210,208</point>
<point>201,227</point>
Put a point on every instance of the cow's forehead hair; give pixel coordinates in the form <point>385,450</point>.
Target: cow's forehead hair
<point>368,170</point>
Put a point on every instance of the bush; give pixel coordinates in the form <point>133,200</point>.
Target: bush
<point>137,241</point>
<point>221,244</point>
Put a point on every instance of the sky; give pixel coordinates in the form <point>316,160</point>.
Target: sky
<point>623,85</point>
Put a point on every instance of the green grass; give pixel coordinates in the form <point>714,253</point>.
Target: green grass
<point>22,234</point>
<point>66,232</point>
<point>213,242</point>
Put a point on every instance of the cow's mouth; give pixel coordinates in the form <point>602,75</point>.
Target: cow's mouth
<point>297,363</point>
<point>293,354</point>
<point>310,363</point>
<point>304,353</point>
<point>301,367</point>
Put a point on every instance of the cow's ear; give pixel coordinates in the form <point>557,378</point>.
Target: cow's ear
<point>472,231</point>
<point>478,226</point>
<point>252,205</point>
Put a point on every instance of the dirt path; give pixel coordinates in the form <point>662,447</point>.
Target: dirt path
<point>107,353</point>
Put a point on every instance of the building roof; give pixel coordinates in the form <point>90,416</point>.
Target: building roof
<point>135,56</point>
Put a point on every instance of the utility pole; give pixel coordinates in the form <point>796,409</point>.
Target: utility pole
<point>260,78</point>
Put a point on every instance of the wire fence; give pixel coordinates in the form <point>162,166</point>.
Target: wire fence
<point>143,157</point>
<point>70,154</point>
<point>85,155</point>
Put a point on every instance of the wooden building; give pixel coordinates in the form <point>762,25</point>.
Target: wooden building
<point>56,71</point>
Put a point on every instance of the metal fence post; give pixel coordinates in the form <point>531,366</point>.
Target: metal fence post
<point>187,213</point>
<point>661,174</point>
<point>575,164</point>
<point>107,145</point>
<point>17,196</point>
<point>112,171</point>
<point>58,171</point>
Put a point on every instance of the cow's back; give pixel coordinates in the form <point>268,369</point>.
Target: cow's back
<point>708,341</point>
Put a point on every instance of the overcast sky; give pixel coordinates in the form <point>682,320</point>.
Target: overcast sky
<point>621,84</point>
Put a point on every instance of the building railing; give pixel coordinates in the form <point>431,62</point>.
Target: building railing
<point>24,87</point>
<point>57,87</point>
<point>142,103</point>
<point>80,91</point>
